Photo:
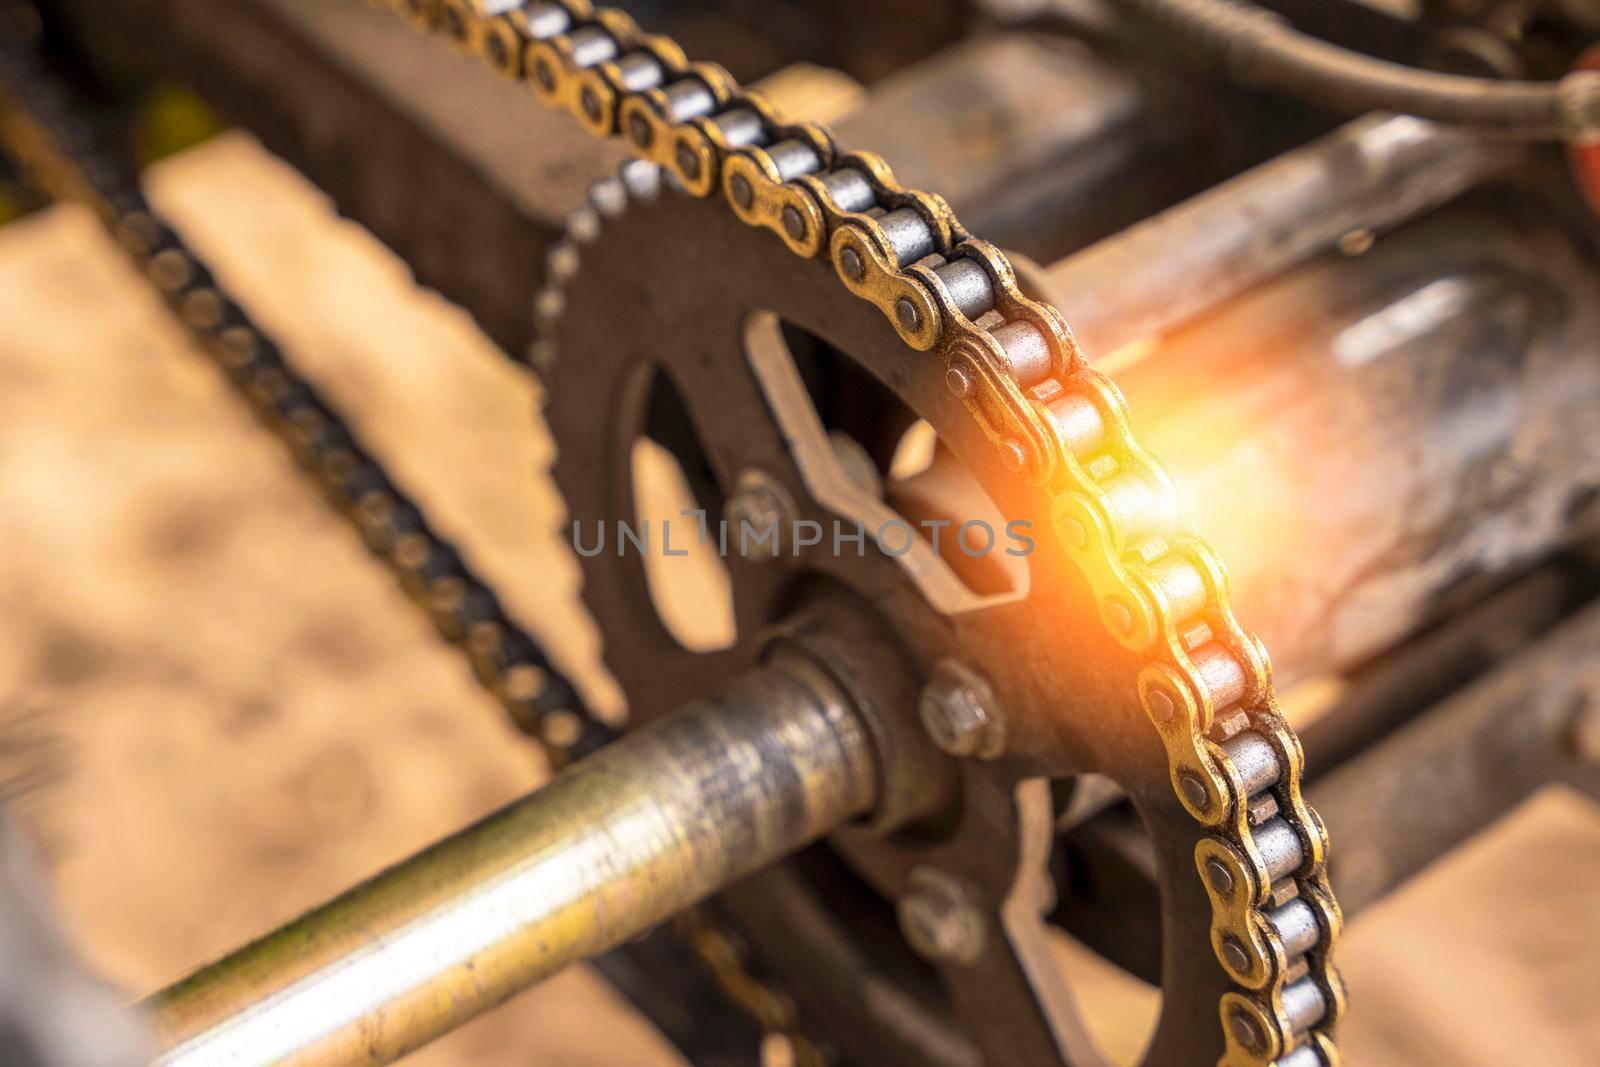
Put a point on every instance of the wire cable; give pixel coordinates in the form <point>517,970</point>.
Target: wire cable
<point>1257,46</point>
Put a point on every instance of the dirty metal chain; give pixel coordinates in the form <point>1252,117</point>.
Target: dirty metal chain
<point>1206,683</point>
<point>63,154</point>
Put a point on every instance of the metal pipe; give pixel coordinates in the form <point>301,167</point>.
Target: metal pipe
<point>1366,177</point>
<point>1368,438</point>
<point>617,843</point>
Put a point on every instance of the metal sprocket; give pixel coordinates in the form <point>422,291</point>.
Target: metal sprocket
<point>677,289</point>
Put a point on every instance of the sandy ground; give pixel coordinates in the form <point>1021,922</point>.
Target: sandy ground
<point>215,712</point>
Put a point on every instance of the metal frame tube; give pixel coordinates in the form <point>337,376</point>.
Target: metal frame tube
<point>1367,176</point>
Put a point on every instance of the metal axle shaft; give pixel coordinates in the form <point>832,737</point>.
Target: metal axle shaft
<point>617,843</point>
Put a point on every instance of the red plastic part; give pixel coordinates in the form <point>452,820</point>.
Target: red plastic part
<point>1585,155</point>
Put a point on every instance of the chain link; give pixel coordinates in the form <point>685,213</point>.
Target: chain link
<point>1205,683</point>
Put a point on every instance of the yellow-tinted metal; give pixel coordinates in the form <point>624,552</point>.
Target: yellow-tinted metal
<point>614,845</point>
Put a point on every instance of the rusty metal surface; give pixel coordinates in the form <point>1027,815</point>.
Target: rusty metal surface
<point>1407,421</point>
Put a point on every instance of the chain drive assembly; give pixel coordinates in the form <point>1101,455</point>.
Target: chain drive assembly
<point>1206,684</point>
<point>1059,426</point>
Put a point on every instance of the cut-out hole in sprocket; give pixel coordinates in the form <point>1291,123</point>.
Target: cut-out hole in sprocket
<point>675,496</point>
<point>848,434</point>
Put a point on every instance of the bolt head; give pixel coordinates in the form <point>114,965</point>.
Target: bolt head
<point>1194,791</point>
<point>959,382</point>
<point>544,75</point>
<point>955,721</point>
<point>591,104</point>
<point>938,921</point>
<point>850,265</point>
<point>756,507</point>
<point>794,224</point>
<point>762,504</point>
<point>959,712</point>
<point>739,189</point>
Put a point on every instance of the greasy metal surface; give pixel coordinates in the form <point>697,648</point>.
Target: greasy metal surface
<point>1033,138</point>
<point>1380,696</point>
<point>1407,421</point>
<point>609,848</point>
